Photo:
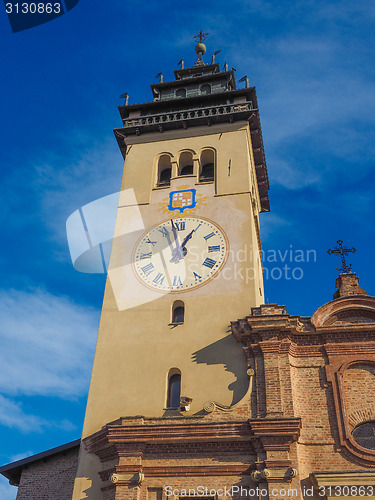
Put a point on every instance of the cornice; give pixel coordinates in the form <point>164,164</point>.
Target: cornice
<point>276,427</point>
<point>299,337</point>
<point>134,438</point>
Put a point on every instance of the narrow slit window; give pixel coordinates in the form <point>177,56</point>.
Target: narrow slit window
<point>178,312</point>
<point>174,390</point>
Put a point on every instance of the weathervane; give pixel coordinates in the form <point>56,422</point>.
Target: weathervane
<point>201,37</point>
<point>342,251</point>
<point>200,48</point>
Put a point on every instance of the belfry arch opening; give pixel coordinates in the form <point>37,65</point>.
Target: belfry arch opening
<point>185,166</point>
<point>207,166</point>
<point>164,171</point>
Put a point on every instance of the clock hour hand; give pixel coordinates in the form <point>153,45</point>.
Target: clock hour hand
<point>178,254</point>
<point>187,238</point>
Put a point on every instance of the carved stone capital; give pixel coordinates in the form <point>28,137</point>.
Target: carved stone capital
<point>127,478</point>
<point>274,475</point>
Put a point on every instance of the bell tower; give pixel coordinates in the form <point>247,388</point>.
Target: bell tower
<point>185,260</point>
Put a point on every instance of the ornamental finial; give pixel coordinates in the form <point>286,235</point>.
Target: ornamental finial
<point>201,37</point>
<point>200,48</point>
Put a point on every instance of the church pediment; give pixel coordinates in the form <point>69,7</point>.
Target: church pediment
<point>356,309</point>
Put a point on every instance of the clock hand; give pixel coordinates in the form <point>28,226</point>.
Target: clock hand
<point>174,230</point>
<point>178,246</point>
<point>187,238</point>
<point>178,254</point>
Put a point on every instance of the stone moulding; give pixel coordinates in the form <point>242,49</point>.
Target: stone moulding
<point>335,371</point>
<point>357,477</point>
<point>123,448</point>
<point>343,307</point>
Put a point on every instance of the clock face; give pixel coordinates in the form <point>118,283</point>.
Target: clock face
<point>180,254</point>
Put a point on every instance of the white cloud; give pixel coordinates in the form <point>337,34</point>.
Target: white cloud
<point>56,184</point>
<point>47,344</point>
<point>286,174</point>
<point>20,456</point>
<point>68,184</point>
<point>315,93</point>
<point>269,223</point>
<point>13,416</point>
<point>7,492</point>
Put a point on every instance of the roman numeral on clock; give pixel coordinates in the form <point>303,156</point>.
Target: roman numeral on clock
<point>180,226</point>
<point>164,231</point>
<point>148,269</point>
<point>208,236</point>
<point>159,278</point>
<point>209,263</point>
<point>146,255</point>
<point>215,248</point>
<point>177,281</point>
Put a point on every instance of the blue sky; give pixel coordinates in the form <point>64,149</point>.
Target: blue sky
<point>313,65</point>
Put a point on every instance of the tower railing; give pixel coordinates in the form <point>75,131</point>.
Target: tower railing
<point>188,114</point>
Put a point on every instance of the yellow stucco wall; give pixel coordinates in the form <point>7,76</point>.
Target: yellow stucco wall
<point>136,347</point>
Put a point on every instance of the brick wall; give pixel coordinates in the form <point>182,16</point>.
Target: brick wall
<point>49,479</point>
<point>359,393</point>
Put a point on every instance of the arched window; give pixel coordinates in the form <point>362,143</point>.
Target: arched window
<point>206,88</point>
<point>181,93</point>
<point>178,312</point>
<point>164,170</point>
<point>174,388</point>
<point>207,161</point>
<point>185,166</point>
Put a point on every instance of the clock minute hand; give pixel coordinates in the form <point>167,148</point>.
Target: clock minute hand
<point>176,256</point>
<point>174,232</point>
<point>177,253</point>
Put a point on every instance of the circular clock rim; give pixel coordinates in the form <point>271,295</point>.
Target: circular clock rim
<point>165,292</point>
